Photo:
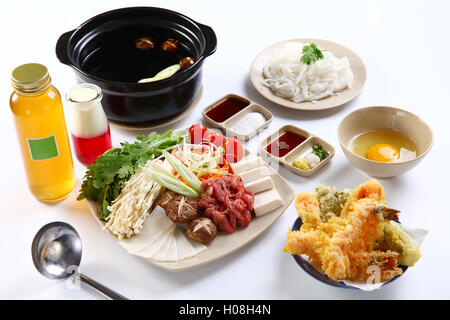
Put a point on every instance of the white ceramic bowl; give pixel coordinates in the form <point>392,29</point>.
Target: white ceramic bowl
<point>372,118</point>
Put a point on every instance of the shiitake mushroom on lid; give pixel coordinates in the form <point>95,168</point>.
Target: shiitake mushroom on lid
<point>186,62</point>
<point>144,43</point>
<point>169,46</point>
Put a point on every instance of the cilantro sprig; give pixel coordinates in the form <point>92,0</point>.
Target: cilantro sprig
<point>105,178</point>
<point>311,54</point>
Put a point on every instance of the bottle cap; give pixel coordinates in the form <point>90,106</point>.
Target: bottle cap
<point>30,78</point>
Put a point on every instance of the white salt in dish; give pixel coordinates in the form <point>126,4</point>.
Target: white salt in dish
<point>238,124</point>
<point>249,123</point>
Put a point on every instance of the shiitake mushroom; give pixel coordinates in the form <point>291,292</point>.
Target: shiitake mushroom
<point>169,46</point>
<point>165,198</point>
<point>202,230</point>
<point>181,209</point>
<point>144,43</point>
<point>186,62</point>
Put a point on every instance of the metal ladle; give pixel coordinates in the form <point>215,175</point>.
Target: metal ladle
<point>56,252</point>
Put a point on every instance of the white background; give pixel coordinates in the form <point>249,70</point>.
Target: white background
<point>405,47</point>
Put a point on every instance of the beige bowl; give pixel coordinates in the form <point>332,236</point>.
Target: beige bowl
<point>372,118</point>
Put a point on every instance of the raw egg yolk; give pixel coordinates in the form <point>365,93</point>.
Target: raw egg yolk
<point>383,152</point>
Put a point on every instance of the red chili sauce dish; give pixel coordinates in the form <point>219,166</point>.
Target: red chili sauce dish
<point>226,109</point>
<point>285,144</point>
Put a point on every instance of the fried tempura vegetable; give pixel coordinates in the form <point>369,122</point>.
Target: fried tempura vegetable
<point>388,213</point>
<point>396,239</point>
<point>331,201</point>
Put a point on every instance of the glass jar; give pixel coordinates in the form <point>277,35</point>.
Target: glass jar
<point>41,129</point>
<point>89,126</point>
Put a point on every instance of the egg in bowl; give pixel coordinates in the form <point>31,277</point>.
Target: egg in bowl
<point>391,119</point>
<point>384,145</point>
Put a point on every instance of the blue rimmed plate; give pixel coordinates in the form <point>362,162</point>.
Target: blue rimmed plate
<point>302,262</point>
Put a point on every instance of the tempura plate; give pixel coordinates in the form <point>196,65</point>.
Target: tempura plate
<point>344,96</point>
<point>304,263</point>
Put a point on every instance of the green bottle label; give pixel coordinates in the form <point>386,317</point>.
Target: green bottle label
<point>43,148</point>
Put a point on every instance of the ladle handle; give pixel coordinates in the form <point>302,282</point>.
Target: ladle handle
<point>101,288</point>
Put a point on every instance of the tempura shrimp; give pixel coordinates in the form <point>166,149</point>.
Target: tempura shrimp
<point>370,189</point>
<point>307,207</point>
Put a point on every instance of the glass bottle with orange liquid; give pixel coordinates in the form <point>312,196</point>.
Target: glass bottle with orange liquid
<point>41,129</point>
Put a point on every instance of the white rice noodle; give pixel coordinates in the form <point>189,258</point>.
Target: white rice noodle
<point>289,78</point>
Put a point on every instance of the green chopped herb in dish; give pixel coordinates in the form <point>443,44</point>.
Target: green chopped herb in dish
<point>318,151</point>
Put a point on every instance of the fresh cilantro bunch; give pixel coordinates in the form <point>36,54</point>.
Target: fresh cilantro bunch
<point>106,177</point>
<point>311,54</point>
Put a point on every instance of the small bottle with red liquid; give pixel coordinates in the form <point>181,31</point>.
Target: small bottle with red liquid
<point>89,126</point>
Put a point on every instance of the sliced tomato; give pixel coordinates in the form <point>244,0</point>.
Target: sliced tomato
<point>234,151</point>
<point>196,133</point>
<point>214,137</point>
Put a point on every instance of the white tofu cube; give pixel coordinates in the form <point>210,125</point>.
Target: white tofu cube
<point>260,185</point>
<point>267,201</point>
<point>255,174</point>
<point>248,163</point>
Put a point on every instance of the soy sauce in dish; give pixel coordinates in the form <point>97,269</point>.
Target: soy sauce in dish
<point>122,61</point>
<point>285,144</point>
<point>226,109</point>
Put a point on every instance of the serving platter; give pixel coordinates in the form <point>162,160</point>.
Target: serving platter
<point>225,244</point>
<point>344,96</point>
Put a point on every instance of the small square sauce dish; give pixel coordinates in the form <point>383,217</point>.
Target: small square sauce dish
<point>233,114</point>
<point>308,162</point>
<point>291,145</point>
<point>283,141</point>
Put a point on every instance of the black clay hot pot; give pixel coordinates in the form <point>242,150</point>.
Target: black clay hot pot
<point>102,51</point>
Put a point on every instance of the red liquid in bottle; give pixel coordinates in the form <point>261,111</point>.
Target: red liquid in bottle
<point>88,149</point>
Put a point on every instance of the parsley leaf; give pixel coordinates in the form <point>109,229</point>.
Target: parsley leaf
<point>311,54</point>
